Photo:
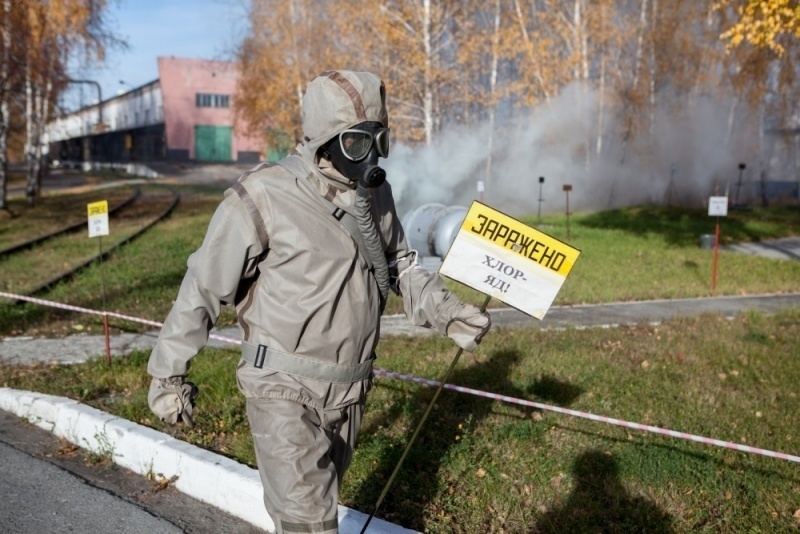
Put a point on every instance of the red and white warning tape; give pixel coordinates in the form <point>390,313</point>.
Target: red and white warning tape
<point>460,389</point>
<point>593,417</point>
<point>53,304</point>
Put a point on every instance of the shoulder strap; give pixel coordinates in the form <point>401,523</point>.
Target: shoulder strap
<point>297,167</point>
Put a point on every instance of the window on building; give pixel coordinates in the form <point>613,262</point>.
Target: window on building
<point>207,100</point>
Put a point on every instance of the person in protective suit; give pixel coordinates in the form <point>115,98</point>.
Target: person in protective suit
<point>307,250</point>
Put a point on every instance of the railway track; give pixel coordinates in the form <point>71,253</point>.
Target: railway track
<point>67,228</point>
<point>32,267</point>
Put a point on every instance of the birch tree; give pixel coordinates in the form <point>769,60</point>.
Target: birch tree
<point>5,90</point>
<point>54,32</point>
<point>285,48</point>
<point>420,34</point>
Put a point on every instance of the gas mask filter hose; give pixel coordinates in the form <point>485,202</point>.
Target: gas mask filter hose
<point>363,214</point>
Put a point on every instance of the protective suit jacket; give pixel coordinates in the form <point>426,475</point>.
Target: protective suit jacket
<point>301,285</point>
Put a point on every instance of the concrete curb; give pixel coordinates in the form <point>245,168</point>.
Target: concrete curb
<point>203,475</point>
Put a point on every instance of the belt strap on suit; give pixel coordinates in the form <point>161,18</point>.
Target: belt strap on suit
<point>262,356</point>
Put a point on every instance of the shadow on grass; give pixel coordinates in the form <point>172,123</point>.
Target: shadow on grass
<point>683,226</point>
<point>699,458</point>
<point>417,484</point>
<point>600,503</point>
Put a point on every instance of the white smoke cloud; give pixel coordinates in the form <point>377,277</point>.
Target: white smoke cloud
<point>694,153</point>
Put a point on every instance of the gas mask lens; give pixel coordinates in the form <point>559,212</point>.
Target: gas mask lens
<point>356,144</point>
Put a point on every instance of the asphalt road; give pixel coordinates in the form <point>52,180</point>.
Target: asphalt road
<point>50,486</point>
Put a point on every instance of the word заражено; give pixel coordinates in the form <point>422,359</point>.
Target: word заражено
<point>520,243</point>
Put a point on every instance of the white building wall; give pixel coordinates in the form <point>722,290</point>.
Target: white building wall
<point>135,109</point>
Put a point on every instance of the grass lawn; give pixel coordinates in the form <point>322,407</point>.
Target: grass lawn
<point>654,250</point>
<point>486,466</point>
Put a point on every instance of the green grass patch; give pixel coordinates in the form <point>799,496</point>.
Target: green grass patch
<point>486,466</point>
<point>654,250</point>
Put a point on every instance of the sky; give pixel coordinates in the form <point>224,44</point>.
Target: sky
<point>204,29</point>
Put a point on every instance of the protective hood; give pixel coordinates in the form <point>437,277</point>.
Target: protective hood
<point>338,100</point>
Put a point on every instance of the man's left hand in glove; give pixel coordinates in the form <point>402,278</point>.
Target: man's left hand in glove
<point>171,398</point>
<point>467,326</point>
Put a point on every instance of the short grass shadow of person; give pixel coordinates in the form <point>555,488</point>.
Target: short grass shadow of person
<point>417,484</point>
<point>553,390</point>
<point>600,503</point>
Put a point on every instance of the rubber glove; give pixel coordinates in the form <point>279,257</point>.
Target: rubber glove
<point>467,326</point>
<point>171,398</point>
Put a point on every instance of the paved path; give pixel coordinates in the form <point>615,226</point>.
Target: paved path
<point>781,249</point>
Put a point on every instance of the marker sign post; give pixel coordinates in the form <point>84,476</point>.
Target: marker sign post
<point>98,227</point>
<point>98,218</point>
<point>717,207</point>
<point>508,260</point>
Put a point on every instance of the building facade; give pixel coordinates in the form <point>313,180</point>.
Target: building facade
<point>184,115</point>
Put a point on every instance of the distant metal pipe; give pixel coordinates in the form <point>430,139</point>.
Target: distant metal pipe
<point>99,96</point>
<point>432,228</point>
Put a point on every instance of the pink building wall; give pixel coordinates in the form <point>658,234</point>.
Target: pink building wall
<point>181,79</point>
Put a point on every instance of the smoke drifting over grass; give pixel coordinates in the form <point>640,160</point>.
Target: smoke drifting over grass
<point>692,153</point>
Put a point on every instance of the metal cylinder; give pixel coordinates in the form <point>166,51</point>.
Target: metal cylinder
<point>432,228</point>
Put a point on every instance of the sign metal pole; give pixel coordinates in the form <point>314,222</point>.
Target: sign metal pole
<point>541,182</point>
<point>98,227</point>
<point>717,207</point>
<point>567,189</point>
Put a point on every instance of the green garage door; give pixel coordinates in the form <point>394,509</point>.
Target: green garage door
<point>212,143</point>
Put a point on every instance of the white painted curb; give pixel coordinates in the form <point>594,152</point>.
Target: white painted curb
<point>203,475</point>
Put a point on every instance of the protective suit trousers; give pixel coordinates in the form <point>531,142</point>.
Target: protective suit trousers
<point>302,454</point>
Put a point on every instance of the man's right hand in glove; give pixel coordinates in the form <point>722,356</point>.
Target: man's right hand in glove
<point>467,326</point>
<point>172,398</point>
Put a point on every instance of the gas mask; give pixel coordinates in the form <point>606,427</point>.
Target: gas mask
<point>355,152</point>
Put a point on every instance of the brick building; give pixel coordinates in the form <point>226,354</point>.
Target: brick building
<point>184,115</point>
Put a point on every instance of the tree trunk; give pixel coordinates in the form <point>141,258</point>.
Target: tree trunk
<point>42,114</point>
<point>298,82</point>
<point>35,169</point>
<point>492,88</point>
<point>652,87</point>
<point>427,98</point>
<point>5,90</point>
<point>731,120</point>
<point>634,86</point>
<point>533,58</point>
<point>601,103</point>
<point>30,190</point>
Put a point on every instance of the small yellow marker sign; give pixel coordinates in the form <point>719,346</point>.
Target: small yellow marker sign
<point>508,260</point>
<point>98,218</point>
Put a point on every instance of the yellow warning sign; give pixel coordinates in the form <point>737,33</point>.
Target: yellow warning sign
<point>98,218</point>
<point>509,260</point>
